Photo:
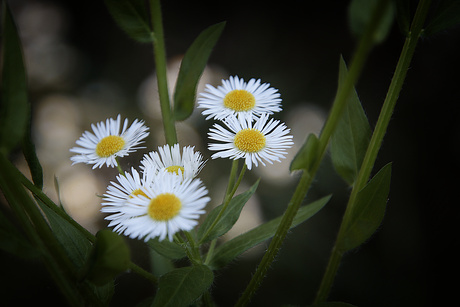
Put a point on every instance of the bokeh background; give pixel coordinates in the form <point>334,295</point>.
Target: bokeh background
<point>83,69</point>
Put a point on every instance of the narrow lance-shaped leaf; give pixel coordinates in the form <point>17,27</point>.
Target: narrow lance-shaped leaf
<point>228,218</point>
<point>14,108</point>
<point>368,211</point>
<point>132,17</point>
<point>350,139</point>
<point>227,252</point>
<point>192,68</point>
<point>182,286</point>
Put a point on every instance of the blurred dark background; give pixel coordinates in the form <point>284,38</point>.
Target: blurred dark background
<point>83,69</point>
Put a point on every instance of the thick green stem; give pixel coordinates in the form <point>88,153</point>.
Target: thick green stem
<point>161,71</point>
<point>375,142</point>
<point>357,63</point>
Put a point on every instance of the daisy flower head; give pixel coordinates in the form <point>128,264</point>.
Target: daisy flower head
<point>107,142</point>
<point>237,97</point>
<point>165,207</point>
<point>255,141</point>
<point>126,187</point>
<point>169,158</point>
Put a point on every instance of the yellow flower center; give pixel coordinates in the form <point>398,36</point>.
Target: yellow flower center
<point>137,192</point>
<point>249,140</point>
<point>164,207</point>
<point>109,145</point>
<point>175,169</point>
<point>239,100</point>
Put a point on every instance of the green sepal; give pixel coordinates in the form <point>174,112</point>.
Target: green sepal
<point>14,106</point>
<point>183,286</point>
<point>368,211</point>
<point>191,69</point>
<point>351,137</point>
<point>307,154</point>
<point>132,17</point>
<point>228,218</point>
<point>231,249</point>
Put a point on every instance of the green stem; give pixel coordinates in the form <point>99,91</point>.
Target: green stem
<point>340,101</point>
<point>375,142</point>
<point>228,197</point>
<point>120,170</point>
<point>140,271</point>
<point>160,66</point>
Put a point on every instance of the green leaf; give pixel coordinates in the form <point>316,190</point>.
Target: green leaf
<point>28,149</point>
<point>13,241</point>
<point>368,211</point>
<point>76,245</point>
<point>132,17</point>
<point>14,109</point>
<point>231,249</point>
<point>192,68</point>
<point>167,249</point>
<point>350,139</point>
<point>227,220</point>
<point>110,257</point>
<point>360,13</point>
<point>307,155</point>
<point>182,286</point>
<point>446,15</point>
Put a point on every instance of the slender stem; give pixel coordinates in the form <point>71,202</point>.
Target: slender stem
<point>120,170</point>
<point>160,64</point>
<point>227,199</point>
<point>375,143</point>
<point>140,271</point>
<point>304,184</point>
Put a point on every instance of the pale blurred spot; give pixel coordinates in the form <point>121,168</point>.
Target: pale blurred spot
<point>148,92</point>
<point>80,191</point>
<point>55,128</point>
<point>50,61</point>
<point>303,119</point>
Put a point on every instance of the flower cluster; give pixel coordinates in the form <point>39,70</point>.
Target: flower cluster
<point>165,196</point>
<point>161,200</point>
<point>244,109</point>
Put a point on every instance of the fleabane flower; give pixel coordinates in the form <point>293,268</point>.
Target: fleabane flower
<point>168,158</point>
<point>126,187</point>
<point>258,141</point>
<point>107,142</point>
<point>240,98</point>
<point>167,206</point>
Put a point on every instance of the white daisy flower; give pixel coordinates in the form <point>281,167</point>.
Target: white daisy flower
<point>262,140</point>
<point>128,186</point>
<point>170,159</point>
<point>236,97</point>
<point>168,205</point>
<point>107,142</point>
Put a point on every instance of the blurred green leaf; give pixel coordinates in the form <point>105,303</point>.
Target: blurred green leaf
<point>182,286</point>
<point>110,257</point>
<point>403,15</point>
<point>14,109</point>
<point>350,139</point>
<point>13,241</point>
<point>307,154</point>
<point>446,15</point>
<point>192,68</point>
<point>28,149</point>
<point>132,17</point>
<point>368,211</point>
<point>167,249</point>
<point>360,13</point>
<point>227,220</point>
<point>228,251</point>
